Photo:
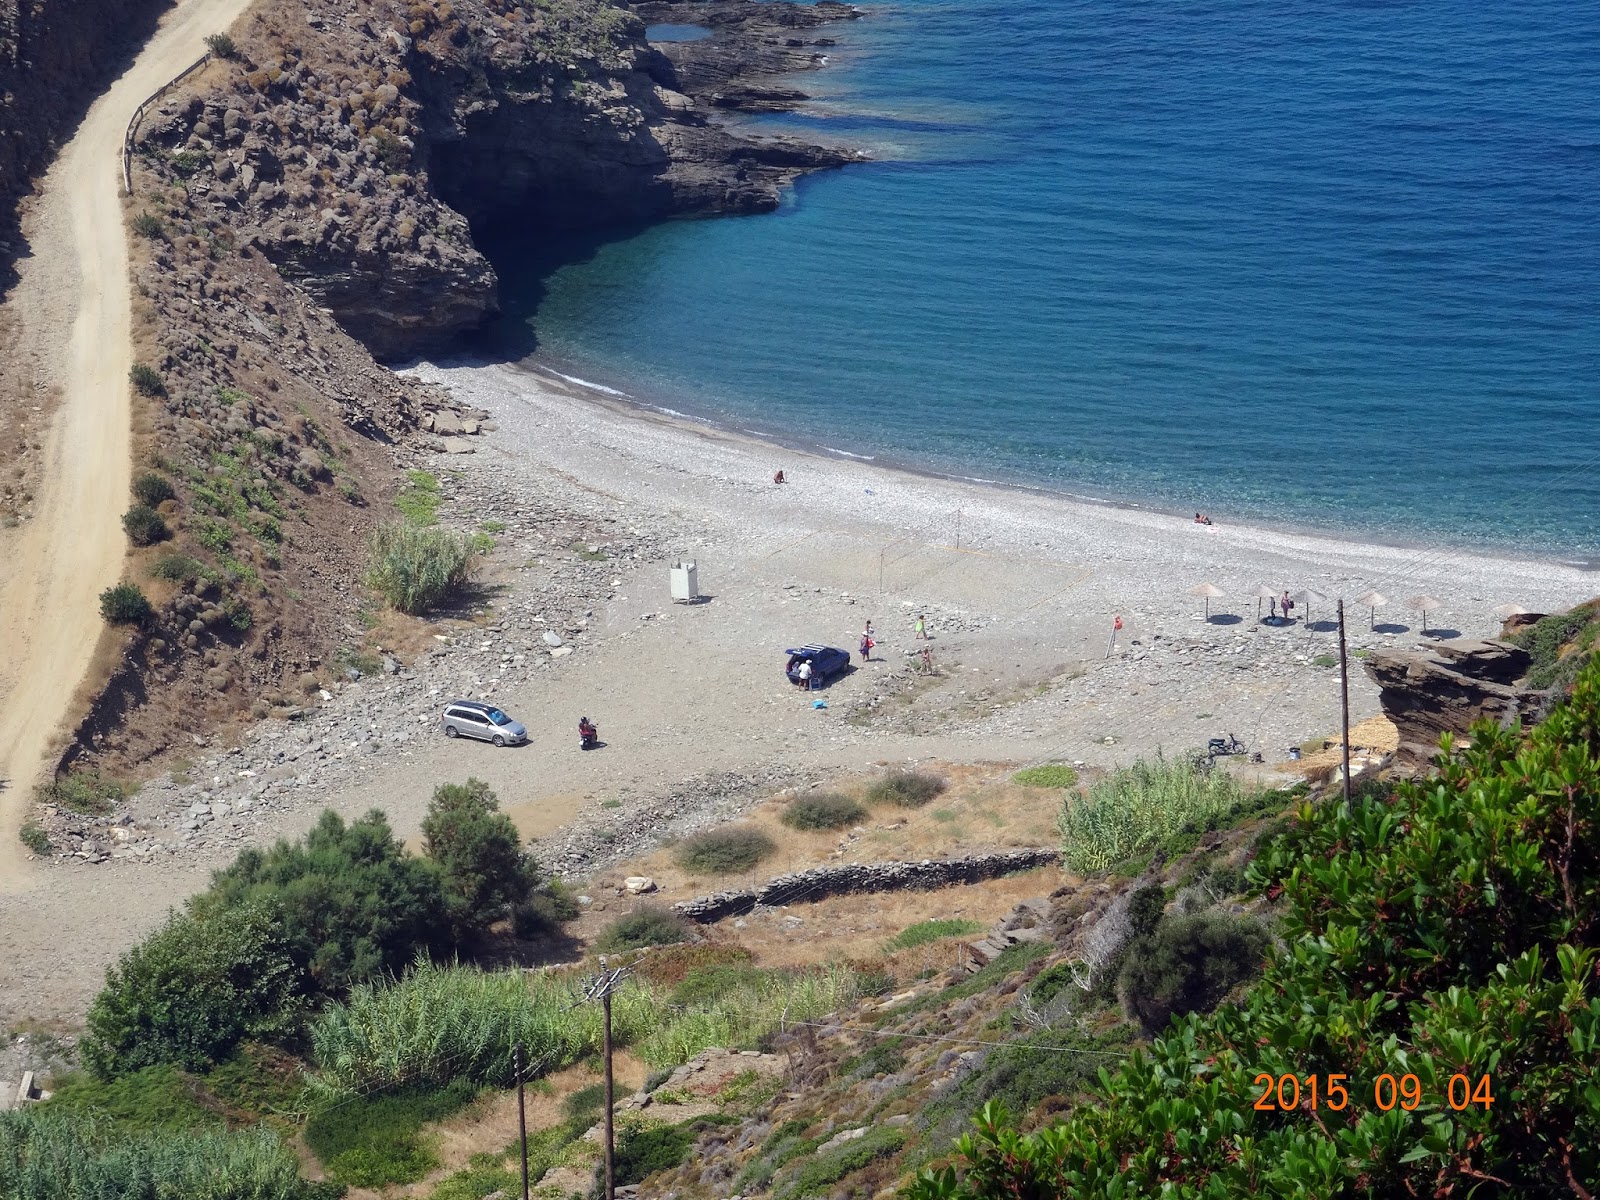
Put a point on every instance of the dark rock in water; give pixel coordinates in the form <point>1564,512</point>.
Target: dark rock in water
<point>1447,687</point>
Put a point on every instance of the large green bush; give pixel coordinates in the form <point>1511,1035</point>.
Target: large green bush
<point>125,604</point>
<point>1447,929</point>
<point>483,868</point>
<point>1188,965</point>
<point>152,490</point>
<point>351,902</point>
<point>416,569</point>
<point>47,1155</point>
<point>724,851</point>
<point>826,810</point>
<point>1135,810</point>
<point>191,991</point>
<point>905,789</point>
<point>144,526</point>
<point>647,925</point>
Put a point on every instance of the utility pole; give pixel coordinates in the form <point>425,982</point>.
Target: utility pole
<point>1344,702</point>
<point>522,1117</point>
<point>601,988</point>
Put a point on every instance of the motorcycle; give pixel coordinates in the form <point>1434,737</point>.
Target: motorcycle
<point>588,735</point>
<point>1220,748</point>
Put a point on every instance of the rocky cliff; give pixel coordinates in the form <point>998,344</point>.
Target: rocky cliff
<point>1446,688</point>
<point>359,149</point>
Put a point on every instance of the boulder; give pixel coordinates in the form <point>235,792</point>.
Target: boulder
<point>1446,688</point>
<point>639,885</point>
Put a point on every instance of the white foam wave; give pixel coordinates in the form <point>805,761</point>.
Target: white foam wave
<point>592,386</point>
<point>847,454</point>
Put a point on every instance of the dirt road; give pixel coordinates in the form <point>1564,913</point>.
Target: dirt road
<point>73,306</point>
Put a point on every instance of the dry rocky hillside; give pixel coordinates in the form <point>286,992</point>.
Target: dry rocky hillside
<point>302,204</point>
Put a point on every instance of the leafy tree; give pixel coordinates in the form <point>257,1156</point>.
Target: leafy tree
<point>351,902</point>
<point>1189,965</point>
<point>125,604</point>
<point>483,869</point>
<point>191,992</point>
<point>1448,932</point>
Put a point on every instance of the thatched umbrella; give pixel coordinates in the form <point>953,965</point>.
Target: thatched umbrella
<point>1262,592</point>
<point>1308,598</point>
<point>1422,604</point>
<point>1210,591</point>
<point>1507,611</point>
<point>1373,601</point>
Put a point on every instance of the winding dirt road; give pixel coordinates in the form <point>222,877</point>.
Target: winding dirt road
<point>72,303</point>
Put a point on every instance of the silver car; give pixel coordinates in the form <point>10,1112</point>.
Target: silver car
<point>471,718</point>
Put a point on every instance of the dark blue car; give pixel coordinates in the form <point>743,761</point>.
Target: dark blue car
<point>826,662</point>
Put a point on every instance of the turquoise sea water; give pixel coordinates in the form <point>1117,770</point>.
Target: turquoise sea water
<point>1328,264</point>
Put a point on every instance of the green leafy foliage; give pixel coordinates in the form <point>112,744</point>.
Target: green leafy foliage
<point>35,838</point>
<point>1447,929</point>
<point>144,526</point>
<point>152,1098</point>
<point>483,868</point>
<point>148,225</point>
<point>724,851</point>
<point>906,789</point>
<point>547,908</point>
<point>825,810</point>
<point>350,902</point>
<point>1049,775</point>
<point>647,925</point>
<point>1134,810</point>
<point>1559,645</point>
<point>191,991</point>
<point>221,45</point>
<point>375,1141</point>
<point>935,930</point>
<point>819,1172</point>
<point>126,604</point>
<point>152,489</point>
<point>85,791</point>
<point>417,569</point>
<point>419,500</point>
<point>642,1150</point>
<point>50,1155</point>
<point>179,568</point>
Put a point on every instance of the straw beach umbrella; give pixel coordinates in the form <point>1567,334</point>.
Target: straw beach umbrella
<point>1210,591</point>
<point>1422,604</point>
<point>1262,592</point>
<point>1374,601</point>
<point>1506,611</point>
<point>1308,598</point>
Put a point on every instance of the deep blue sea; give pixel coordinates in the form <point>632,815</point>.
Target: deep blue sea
<point>1330,264</point>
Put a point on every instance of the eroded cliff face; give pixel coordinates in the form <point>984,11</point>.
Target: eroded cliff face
<point>358,149</point>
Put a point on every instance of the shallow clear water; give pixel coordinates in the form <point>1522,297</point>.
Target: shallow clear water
<point>674,32</point>
<point>1330,264</point>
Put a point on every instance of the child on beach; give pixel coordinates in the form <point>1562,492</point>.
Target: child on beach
<point>922,628</point>
<point>867,644</point>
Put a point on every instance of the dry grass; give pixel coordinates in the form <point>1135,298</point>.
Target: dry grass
<point>1376,735</point>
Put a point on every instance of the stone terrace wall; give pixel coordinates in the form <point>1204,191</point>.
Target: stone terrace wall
<point>819,883</point>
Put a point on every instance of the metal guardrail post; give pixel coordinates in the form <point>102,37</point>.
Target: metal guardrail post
<point>138,115</point>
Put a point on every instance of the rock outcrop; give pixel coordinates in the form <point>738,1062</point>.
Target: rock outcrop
<point>359,150</point>
<point>1447,687</point>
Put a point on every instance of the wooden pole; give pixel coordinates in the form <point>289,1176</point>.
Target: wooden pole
<point>611,1189</point>
<point>1344,702</point>
<point>522,1120</point>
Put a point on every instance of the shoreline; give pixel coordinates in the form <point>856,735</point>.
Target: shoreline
<point>563,374</point>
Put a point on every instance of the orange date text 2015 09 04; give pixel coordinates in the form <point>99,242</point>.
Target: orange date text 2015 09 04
<point>1291,1092</point>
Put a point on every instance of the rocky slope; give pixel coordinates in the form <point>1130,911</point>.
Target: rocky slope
<point>358,149</point>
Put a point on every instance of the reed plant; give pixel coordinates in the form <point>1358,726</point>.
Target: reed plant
<point>46,1155</point>
<point>1135,809</point>
<point>416,569</point>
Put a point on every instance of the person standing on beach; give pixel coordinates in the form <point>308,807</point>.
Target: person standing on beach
<point>805,674</point>
<point>922,628</point>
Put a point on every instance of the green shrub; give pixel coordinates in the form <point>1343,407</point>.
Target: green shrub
<point>221,45</point>
<point>586,1105</point>
<point>1132,811</point>
<point>50,1155</point>
<point>351,902</point>
<point>642,1150</point>
<point>647,925</point>
<point>191,991</point>
<point>215,536</point>
<point>483,868</point>
<point>148,225</point>
<point>1189,965</point>
<point>145,381</point>
<point>820,1172</point>
<point>417,569</point>
<point>178,568</point>
<point>829,810</point>
<point>152,490</point>
<point>1048,775</point>
<point>908,789</point>
<point>1547,637</point>
<point>1444,929</point>
<point>373,1141</point>
<point>1325,661</point>
<point>144,526</point>
<point>238,613</point>
<point>550,906</point>
<point>85,792</point>
<point>924,932</point>
<point>724,851</point>
<point>35,839</point>
<point>125,604</point>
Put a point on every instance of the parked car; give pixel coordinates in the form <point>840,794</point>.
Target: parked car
<point>826,662</point>
<point>474,719</point>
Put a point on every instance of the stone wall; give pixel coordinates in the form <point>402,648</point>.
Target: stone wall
<point>819,883</point>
